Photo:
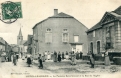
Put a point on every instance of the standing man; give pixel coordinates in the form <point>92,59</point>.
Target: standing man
<point>40,61</point>
<point>81,55</point>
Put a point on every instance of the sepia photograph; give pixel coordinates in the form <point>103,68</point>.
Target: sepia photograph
<point>60,38</point>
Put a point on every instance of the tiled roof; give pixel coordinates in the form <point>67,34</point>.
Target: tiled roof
<point>98,25</point>
<point>25,43</point>
<point>118,10</point>
<point>59,15</point>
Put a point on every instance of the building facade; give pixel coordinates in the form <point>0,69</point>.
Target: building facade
<point>106,34</point>
<point>60,32</point>
<point>29,42</point>
<point>20,43</point>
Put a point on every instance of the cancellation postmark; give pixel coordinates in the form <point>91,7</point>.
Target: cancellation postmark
<point>10,12</point>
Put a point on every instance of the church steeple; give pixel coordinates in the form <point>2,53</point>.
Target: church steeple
<point>20,33</point>
<point>19,38</point>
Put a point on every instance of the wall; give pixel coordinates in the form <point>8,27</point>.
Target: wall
<point>98,37</point>
<point>57,25</point>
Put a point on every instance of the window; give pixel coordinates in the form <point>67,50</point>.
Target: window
<point>48,30</point>
<point>48,37</point>
<point>98,47</point>
<point>65,37</point>
<point>76,38</point>
<point>65,30</point>
<point>93,33</point>
<point>108,45</point>
<point>91,47</point>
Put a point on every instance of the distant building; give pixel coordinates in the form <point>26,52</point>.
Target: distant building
<point>2,44</point>
<point>5,49</point>
<point>29,43</point>
<point>106,34</point>
<point>20,43</point>
<point>60,32</point>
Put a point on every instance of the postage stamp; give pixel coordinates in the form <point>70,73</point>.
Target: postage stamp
<point>11,11</point>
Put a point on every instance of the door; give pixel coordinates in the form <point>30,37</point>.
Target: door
<point>98,47</point>
<point>91,47</point>
<point>78,48</point>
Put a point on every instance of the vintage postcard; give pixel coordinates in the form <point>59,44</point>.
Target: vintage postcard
<point>60,38</point>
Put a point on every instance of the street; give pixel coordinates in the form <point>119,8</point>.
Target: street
<point>51,67</point>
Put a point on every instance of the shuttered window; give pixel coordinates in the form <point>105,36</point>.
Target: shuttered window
<point>65,37</point>
<point>48,37</point>
<point>76,38</point>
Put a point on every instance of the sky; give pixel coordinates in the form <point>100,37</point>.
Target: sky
<point>88,12</point>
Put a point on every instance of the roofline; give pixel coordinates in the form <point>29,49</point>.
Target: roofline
<point>101,21</point>
<point>60,17</point>
<point>47,19</point>
<point>80,22</point>
<point>93,30</point>
<point>117,8</point>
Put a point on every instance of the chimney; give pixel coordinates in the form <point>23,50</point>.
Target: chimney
<point>55,11</point>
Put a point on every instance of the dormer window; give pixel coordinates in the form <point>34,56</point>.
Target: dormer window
<point>65,30</point>
<point>48,30</point>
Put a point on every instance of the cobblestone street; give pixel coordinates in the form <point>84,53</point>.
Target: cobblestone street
<point>51,67</point>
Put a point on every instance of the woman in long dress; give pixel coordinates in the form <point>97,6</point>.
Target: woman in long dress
<point>92,60</point>
<point>29,61</point>
<point>67,56</point>
<point>77,55</point>
<point>43,57</point>
<point>52,55</point>
<point>59,57</point>
<point>55,57</point>
<point>80,55</point>
<point>48,56</point>
<point>107,60</point>
<point>63,55</point>
<point>73,59</point>
<point>14,59</point>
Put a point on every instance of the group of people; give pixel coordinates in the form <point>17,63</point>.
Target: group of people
<point>58,56</point>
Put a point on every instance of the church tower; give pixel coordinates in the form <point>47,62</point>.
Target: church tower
<point>19,38</point>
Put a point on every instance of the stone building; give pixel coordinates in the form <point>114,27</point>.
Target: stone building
<point>106,34</point>
<point>29,42</point>
<point>60,32</point>
<point>20,43</point>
